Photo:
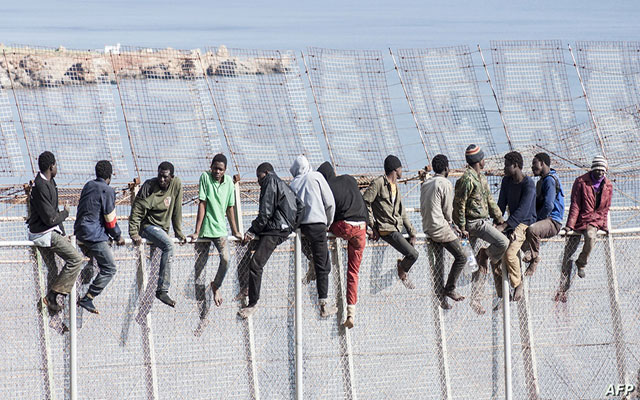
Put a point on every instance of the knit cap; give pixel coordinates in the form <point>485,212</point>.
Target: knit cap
<point>599,163</point>
<point>391,163</point>
<point>474,154</point>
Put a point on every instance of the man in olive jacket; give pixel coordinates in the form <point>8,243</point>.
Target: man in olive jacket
<point>158,205</point>
<point>387,216</point>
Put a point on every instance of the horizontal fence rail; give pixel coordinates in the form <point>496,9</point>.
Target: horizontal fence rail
<point>403,345</point>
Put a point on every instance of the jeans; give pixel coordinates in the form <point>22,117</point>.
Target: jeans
<point>202,256</point>
<point>251,266</point>
<point>459,261</point>
<point>398,242</point>
<point>101,252</point>
<point>61,245</point>
<point>315,239</point>
<point>483,229</point>
<point>159,238</point>
<point>356,237</point>
<point>543,229</point>
<point>571,246</point>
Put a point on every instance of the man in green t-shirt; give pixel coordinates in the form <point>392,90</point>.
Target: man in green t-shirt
<point>216,194</point>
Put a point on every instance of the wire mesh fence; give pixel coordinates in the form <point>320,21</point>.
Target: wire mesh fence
<point>443,91</point>
<point>353,102</point>
<point>167,110</point>
<point>66,105</point>
<point>403,345</point>
<point>262,105</point>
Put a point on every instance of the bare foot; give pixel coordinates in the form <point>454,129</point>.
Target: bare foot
<point>217,296</point>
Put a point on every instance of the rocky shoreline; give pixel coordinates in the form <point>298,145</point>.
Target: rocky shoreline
<point>33,67</point>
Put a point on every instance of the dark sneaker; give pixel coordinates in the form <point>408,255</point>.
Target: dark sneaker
<point>52,305</point>
<point>87,304</point>
<point>444,304</point>
<point>581,272</point>
<point>164,297</point>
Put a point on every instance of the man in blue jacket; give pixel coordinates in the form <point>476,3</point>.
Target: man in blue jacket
<point>95,224</point>
<point>518,194</point>
<point>549,209</point>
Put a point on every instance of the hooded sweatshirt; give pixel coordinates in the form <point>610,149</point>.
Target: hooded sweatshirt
<point>349,202</point>
<point>549,197</point>
<point>314,191</point>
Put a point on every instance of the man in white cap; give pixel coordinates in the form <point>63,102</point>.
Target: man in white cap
<point>590,202</point>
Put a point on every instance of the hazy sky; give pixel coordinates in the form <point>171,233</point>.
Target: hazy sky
<point>296,24</point>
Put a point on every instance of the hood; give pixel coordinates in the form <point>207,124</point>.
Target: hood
<point>300,166</point>
<point>326,169</point>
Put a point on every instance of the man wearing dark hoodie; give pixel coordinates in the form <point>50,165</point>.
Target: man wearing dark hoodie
<point>349,223</point>
<point>319,210</point>
<point>279,212</point>
<point>549,209</point>
<point>387,216</point>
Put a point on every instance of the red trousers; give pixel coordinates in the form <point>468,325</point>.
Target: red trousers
<point>356,237</point>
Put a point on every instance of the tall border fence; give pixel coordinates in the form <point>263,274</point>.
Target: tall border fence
<point>138,106</point>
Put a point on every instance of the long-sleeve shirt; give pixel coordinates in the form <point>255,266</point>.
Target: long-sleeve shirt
<point>520,198</point>
<point>436,206</point>
<point>384,213</point>
<point>589,207</point>
<point>473,199</point>
<point>314,191</point>
<point>96,216</point>
<point>154,206</point>
<point>44,213</point>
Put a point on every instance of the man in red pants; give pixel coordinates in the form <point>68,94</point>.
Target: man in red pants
<point>350,225</point>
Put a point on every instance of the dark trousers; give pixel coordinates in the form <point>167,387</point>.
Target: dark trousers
<point>314,244</point>
<point>101,252</point>
<point>398,242</point>
<point>251,266</point>
<point>459,261</point>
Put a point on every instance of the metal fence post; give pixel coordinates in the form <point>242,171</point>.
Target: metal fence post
<point>614,300</point>
<point>43,326</point>
<point>73,335</point>
<point>527,342</point>
<point>298,317</point>
<point>147,334</point>
<point>440,330</point>
<point>339,270</point>
<point>506,315</point>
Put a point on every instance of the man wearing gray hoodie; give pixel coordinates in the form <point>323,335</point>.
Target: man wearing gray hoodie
<point>319,210</point>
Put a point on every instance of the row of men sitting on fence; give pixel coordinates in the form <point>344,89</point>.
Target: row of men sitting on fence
<point>317,201</point>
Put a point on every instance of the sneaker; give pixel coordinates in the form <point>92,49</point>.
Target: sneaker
<point>246,312</point>
<point>402,274</point>
<point>453,295</point>
<point>87,303</point>
<point>527,258</point>
<point>164,297</point>
<point>581,272</point>
<point>52,305</point>
<point>327,310</point>
<point>310,276</point>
